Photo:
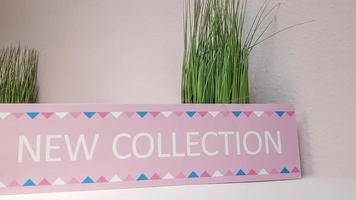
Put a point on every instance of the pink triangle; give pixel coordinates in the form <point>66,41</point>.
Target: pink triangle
<point>129,114</point>
<point>180,175</point>
<point>155,177</point>
<point>269,113</point>
<point>202,114</point>
<point>154,114</point>
<point>44,182</point>
<point>102,179</point>
<point>295,170</point>
<point>129,178</point>
<point>225,113</point>
<point>252,172</point>
<point>274,171</point>
<point>73,181</point>
<point>178,113</point>
<point>75,114</point>
<point>205,174</point>
<point>47,115</point>
<point>103,114</point>
<point>247,113</point>
<point>14,184</point>
<point>17,115</point>
<point>228,173</point>
<point>290,113</point>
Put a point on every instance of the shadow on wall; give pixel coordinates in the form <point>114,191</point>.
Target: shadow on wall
<point>304,145</point>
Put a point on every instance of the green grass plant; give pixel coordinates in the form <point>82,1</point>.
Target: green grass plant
<point>217,46</point>
<point>18,75</point>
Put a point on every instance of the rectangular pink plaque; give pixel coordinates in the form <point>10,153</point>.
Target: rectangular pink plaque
<point>68,147</point>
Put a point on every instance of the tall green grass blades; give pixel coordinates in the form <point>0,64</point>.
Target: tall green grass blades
<point>18,75</point>
<point>217,47</point>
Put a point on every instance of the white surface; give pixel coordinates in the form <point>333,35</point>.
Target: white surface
<point>308,188</point>
<point>129,51</point>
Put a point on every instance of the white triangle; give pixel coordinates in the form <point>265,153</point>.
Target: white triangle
<point>2,185</point>
<point>166,113</point>
<point>263,172</point>
<point>116,114</point>
<point>61,114</point>
<point>3,115</point>
<point>168,176</point>
<point>58,181</point>
<point>115,179</point>
<point>258,113</point>
<point>214,113</point>
<point>217,173</point>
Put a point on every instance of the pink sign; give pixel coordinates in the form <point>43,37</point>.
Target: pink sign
<point>53,148</point>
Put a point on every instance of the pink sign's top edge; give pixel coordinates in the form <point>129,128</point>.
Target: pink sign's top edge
<point>161,107</point>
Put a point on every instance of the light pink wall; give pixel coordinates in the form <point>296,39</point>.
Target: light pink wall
<point>130,51</point>
<point>100,51</point>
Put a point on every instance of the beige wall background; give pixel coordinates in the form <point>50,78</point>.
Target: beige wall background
<point>130,51</point>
